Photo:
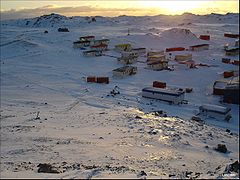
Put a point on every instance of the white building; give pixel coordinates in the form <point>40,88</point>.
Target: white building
<point>183,57</point>
<point>100,47</point>
<point>169,95</point>
<point>87,38</point>
<point>152,53</point>
<point>92,53</point>
<point>214,111</point>
<point>127,60</point>
<point>156,58</point>
<point>129,54</point>
<point>124,71</point>
<point>232,51</point>
<point>128,57</point>
<point>219,86</point>
<point>81,44</point>
<point>123,47</point>
<point>100,41</point>
<point>158,65</point>
<point>199,47</point>
<point>139,51</point>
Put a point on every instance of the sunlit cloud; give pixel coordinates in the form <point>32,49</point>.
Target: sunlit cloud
<point>76,11</point>
<point>116,8</point>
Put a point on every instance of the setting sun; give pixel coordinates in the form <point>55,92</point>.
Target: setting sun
<point>173,7</point>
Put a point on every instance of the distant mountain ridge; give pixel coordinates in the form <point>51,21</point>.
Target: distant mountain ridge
<point>55,20</point>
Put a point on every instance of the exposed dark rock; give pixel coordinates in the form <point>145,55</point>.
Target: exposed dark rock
<point>221,148</point>
<point>90,167</point>
<point>45,32</point>
<point>187,173</point>
<point>188,90</point>
<point>63,30</point>
<point>234,166</point>
<point>138,117</point>
<point>217,168</point>
<point>153,132</point>
<point>227,130</point>
<point>142,173</point>
<point>47,168</point>
<point>197,119</point>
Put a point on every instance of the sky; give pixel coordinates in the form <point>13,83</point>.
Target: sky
<point>14,9</point>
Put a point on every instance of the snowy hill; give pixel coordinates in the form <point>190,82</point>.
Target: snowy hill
<point>180,35</point>
<point>46,20</point>
<point>54,20</point>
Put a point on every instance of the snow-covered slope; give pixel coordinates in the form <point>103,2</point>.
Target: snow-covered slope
<point>84,131</point>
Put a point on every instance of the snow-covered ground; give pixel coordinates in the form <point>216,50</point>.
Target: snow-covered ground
<point>87,133</point>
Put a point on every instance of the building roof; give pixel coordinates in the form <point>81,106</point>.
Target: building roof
<point>86,37</point>
<point>156,62</point>
<point>234,80</point>
<point>122,45</point>
<point>102,40</point>
<point>232,86</point>
<point>100,45</point>
<point>157,56</point>
<point>187,62</point>
<point>215,108</point>
<point>81,42</point>
<point>138,49</point>
<point>231,34</point>
<point>156,51</point>
<point>199,45</point>
<point>175,48</point>
<point>220,84</point>
<point>233,49</point>
<point>91,51</point>
<point>171,92</point>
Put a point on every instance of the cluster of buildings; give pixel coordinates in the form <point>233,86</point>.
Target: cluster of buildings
<point>232,50</point>
<point>158,60</point>
<point>129,55</point>
<point>228,89</point>
<point>96,46</point>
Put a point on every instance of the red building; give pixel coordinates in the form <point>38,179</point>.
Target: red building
<point>204,37</point>
<point>159,84</point>
<point>175,49</point>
